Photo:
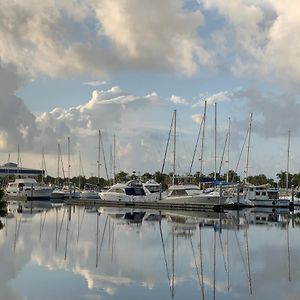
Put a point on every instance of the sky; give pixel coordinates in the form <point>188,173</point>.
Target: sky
<point>72,67</point>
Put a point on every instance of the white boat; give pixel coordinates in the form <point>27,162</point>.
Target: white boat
<point>192,194</point>
<point>131,191</point>
<point>265,196</point>
<point>58,193</point>
<point>28,189</point>
<point>75,193</point>
<point>89,193</point>
<point>152,186</point>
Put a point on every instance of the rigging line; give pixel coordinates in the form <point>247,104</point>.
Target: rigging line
<point>102,238</point>
<point>214,273</point>
<point>245,140</point>
<point>241,253</point>
<point>61,224</point>
<point>222,158</point>
<point>167,146</point>
<point>79,230</point>
<point>97,238</point>
<point>201,262</point>
<point>196,266</point>
<point>248,261</point>
<point>165,257</point>
<point>67,234</point>
<point>105,165</point>
<point>288,249</point>
<point>227,252</point>
<point>42,224</point>
<point>196,146</point>
<point>223,255</point>
<point>62,162</point>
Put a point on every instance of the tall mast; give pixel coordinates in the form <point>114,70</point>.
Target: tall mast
<point>58,151</point>
<point>69,168</point>
<point>110,163</point>
<point>202,142</point>
<point>228,150</point>
<point>18,166</point>
<point>215,155</point>
<point>43,164</point>
<point>288,161</point>
<point>174,157</point>
<point>98,161</point>
<point>248,148</point>
<point>114,158</point>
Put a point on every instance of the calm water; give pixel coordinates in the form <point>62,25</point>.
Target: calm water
<point>63,253</point>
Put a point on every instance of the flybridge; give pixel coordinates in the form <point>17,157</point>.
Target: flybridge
<point>11,168</point>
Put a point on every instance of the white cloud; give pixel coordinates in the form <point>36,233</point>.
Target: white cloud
<point>215,98</point>
<point>197,118</point>
<point>263,37</point>
<point>178,100</point>
<point>80,37</point>
<point>96,83</point>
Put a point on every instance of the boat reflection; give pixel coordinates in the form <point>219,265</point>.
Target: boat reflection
<point>209,255</point>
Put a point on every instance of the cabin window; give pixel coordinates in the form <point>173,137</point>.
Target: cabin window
<point>115,190</point>
<point>263,193</point>
<point>273,195</point>
<point>257,193</point>
<point>152,189</point>
<point>135,191</point>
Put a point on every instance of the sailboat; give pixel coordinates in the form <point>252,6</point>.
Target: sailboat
<point>188,193</point>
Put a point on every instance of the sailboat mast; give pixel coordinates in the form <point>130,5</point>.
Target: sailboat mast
<point>99,157</point>
<point>248,148</point>
<point>18,166</point>
<point>215,172</point>
<point>69,168</point>
<point>288,161</point>
<point>43,165</point>
<point>228,150</point>
<point>114,159</point>
<point>202,142</point>
<point>58,150</point>
<point>174,157</point>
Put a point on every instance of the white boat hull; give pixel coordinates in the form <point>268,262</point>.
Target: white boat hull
<point>271,203</point>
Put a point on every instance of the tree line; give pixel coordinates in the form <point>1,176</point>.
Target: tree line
<point>166,179</point>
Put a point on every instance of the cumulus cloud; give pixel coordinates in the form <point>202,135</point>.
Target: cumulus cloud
<point>215,98</point>
<point>75,37</point>
<point>178,100</point>
<point>197,118</point>
<point>96,83</point>
<point>262,35</point>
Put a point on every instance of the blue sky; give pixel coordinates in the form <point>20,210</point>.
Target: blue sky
<point>242,55</point>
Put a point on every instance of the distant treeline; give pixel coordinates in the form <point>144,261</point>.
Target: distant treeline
<point>166,179</point>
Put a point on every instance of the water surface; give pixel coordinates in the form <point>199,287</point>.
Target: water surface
<point>79,253</point>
